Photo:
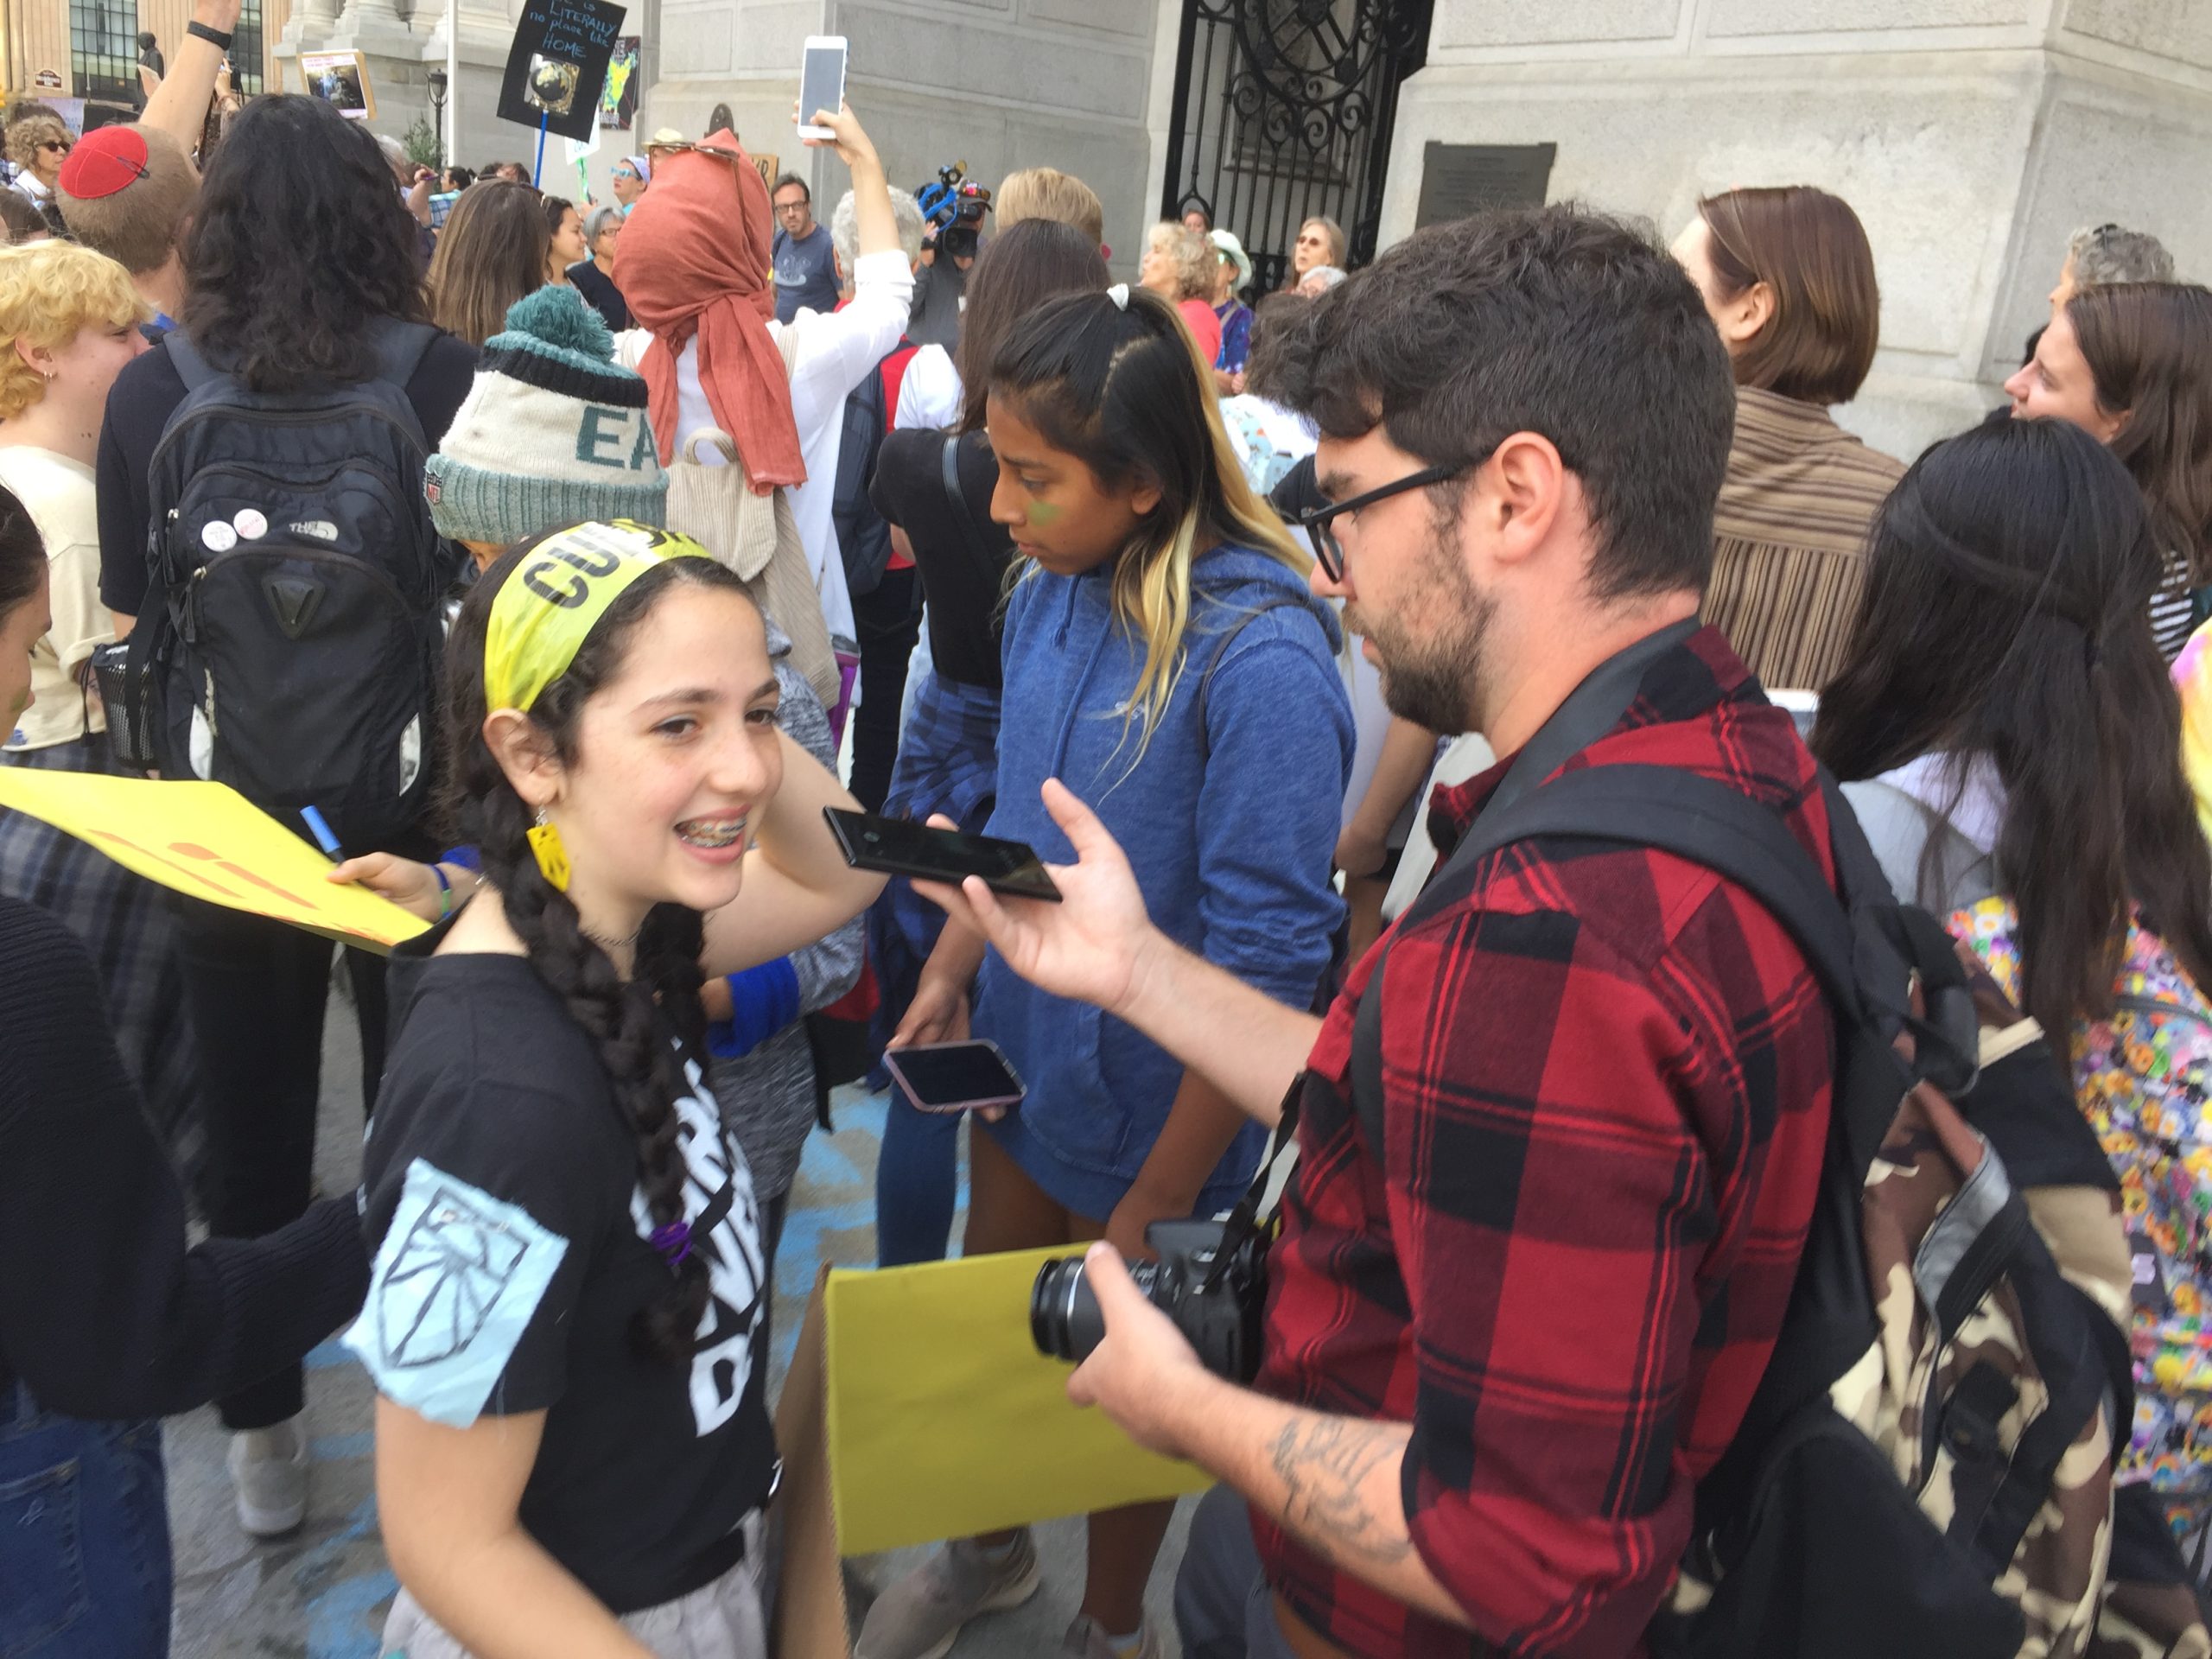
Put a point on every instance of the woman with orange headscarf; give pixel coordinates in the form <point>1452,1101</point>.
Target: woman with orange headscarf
<point>729,384</point>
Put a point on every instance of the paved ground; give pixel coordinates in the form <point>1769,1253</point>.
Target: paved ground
<point>322,1593</point>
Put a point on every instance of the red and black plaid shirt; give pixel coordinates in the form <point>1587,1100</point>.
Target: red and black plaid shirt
<point>1605,1081</point>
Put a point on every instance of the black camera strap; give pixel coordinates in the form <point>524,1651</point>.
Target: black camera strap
<point>1255,1211</point>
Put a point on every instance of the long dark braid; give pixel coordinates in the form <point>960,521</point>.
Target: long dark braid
<point>621,1017</point>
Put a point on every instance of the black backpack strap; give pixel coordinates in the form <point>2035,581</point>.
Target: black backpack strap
<point>400,348</point>
<point>1663,807</point>
<point>1707,822</point>
<point>192,369</point>
<point>949,473</point>
<point>1868,972</point>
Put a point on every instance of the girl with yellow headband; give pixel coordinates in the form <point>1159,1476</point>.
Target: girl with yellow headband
<point>567,1313</point>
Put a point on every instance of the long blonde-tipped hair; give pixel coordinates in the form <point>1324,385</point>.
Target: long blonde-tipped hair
<point>1116,380</point>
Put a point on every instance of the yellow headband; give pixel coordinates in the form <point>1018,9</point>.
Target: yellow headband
<point>552,599</point>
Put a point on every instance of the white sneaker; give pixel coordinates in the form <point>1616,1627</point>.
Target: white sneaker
<point>268,1466</point>
<point>920,1617</point>
<point>1087,1639</point>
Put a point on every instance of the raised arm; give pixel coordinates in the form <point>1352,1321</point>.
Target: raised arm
<point>836,349</point>
<point>798,887</point>
<point>179,105</point>
<point>879,231</point>
<point>1099,946</point>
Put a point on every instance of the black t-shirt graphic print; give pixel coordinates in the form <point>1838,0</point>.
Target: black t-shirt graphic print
<point>511,1256</point>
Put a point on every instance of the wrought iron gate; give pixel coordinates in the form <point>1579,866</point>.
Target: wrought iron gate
<point>1283,110</point>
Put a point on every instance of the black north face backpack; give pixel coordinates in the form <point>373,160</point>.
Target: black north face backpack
<point>291,638</point>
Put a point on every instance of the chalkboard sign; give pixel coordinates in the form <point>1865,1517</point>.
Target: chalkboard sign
<point>558,63</point>
<point>1457,180</point>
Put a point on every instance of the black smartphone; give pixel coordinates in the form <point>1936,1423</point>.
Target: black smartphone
<point>954,1077</point>
<point>902,846</point>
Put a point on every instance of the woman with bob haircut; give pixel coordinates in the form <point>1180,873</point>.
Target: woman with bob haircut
<point>2131,365</point>
<point>1789,279</point>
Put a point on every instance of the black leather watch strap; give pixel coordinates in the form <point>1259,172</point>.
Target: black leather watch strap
<point>221,40</point>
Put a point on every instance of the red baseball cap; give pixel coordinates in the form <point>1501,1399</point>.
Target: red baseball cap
<point>104,161</point>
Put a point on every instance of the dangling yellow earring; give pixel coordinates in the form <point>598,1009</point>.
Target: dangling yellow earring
<point>552,857</point>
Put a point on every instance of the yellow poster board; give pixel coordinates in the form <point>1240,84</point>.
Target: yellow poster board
<point>207,842</point>
<point>944,1420</point>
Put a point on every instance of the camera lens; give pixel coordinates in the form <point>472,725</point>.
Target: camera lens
<point>1064,1321</point>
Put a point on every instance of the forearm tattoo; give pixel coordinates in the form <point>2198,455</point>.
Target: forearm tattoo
<point>1324,1462</point>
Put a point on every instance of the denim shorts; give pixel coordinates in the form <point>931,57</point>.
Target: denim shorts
<point>85,1567</point>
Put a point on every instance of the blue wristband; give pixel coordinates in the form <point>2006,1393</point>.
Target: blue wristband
<point>763,1000</point>
<point>467,858</point>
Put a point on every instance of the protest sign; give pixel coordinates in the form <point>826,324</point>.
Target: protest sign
<point>557,65</point>
<point>618,98</point>
<point>207,841</point>
<point>943,1420</point>
<point>341,80</point>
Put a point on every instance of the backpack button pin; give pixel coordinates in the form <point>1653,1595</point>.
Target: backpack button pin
<point>217,536</point>
<point>251,524</point>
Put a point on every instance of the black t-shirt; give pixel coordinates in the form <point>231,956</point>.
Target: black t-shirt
<point>964,571</point>
<point>501,1205</point>
<point>147,393</point>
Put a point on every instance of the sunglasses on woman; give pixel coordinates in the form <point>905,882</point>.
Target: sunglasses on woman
<point>61,144</point>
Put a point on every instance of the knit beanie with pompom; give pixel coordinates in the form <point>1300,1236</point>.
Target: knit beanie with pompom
<point>552,433</point>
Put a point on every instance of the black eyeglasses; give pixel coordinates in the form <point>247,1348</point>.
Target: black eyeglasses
<point>1327,551</point>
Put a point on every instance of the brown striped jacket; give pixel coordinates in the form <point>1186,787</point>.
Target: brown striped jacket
<point>1789,538</point>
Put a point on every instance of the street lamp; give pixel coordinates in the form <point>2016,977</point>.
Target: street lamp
<point>438,84</point>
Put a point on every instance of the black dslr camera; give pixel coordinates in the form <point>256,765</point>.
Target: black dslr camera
<point>1214,1291</point>
<point>956,207</point>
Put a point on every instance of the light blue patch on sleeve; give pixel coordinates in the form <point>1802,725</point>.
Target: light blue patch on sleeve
<point>453,1288</point>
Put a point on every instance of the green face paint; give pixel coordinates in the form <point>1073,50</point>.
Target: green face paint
<point>1042,513</point>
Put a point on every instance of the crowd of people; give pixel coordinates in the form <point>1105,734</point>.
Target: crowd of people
<point>551,560</point>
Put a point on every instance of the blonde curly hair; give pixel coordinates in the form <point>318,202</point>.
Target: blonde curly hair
<point>1191,256</point>
<point>49,291</point>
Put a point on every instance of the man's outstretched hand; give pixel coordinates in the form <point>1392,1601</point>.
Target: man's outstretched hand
<point>1094,944</point>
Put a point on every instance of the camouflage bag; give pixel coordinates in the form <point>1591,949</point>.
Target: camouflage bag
<point>1926,1467</point>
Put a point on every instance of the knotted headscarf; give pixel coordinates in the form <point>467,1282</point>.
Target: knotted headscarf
<point>694,263</point>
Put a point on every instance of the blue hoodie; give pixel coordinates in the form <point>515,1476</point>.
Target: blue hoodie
<point>1230,831</point>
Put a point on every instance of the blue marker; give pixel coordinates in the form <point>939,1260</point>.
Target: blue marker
<point>320,830</point>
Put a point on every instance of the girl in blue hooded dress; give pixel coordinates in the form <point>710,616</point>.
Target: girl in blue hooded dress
<point>1162,657</point>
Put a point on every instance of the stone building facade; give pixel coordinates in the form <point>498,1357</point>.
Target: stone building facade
<point>1972,136</point>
